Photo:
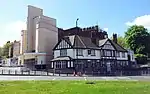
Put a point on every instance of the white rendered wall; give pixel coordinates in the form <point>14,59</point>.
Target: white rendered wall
<point>47,36</point>
<point>56,53</point>
<point>33,12</point>
<point>121,58</point>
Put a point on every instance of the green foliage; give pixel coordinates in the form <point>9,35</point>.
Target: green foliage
<point>4,51</point>
<point>121,41</point>
<point>137,38</point>
<point>141,59</point>
<point>140,55</point>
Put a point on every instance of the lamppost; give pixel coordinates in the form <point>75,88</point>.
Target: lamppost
<point>76,44</point>
<point>77,22</point>
<point>77,34</point>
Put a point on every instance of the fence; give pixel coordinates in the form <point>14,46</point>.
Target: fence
<point>31,73</point>
<point>48,73</point>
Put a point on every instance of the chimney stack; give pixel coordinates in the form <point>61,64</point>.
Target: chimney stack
<point>115,38</point>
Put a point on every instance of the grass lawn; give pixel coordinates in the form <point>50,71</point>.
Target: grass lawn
<point>74,87</point>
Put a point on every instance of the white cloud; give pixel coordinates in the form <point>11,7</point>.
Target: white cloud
<point>142,20</point>
<point>11,31</point>
<point>106,29</point>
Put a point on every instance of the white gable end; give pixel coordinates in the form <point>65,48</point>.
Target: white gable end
<point>108,45</point>
<point>63,44</point>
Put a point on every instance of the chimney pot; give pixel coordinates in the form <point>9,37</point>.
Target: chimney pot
<point>115,38</point>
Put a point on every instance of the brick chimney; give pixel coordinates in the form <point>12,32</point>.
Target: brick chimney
<point>115,38</point>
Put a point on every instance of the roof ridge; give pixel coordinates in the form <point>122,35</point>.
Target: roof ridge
<point>81,41</point>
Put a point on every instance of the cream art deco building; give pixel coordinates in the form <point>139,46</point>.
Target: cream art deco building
<point>38,40</point>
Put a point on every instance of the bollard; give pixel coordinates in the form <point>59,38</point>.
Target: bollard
<point>67,74</point>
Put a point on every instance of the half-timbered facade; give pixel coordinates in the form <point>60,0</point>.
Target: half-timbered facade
<point>78,53</point>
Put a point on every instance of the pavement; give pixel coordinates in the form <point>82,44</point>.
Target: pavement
<point>115,78</point>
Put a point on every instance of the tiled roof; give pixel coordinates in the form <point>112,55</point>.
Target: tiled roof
<point>116,46</point>
<point>102,42</point>
<point>85,42</point>
<point>80,42</point>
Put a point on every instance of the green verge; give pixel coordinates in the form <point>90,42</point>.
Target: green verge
<point>74,87</point>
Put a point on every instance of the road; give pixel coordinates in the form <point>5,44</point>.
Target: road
<point>126,78</point>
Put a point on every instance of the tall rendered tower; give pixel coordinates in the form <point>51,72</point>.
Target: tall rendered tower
<point>33,14</point>
<point>41,34</point>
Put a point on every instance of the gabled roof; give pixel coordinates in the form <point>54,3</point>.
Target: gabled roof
<point>115,45</point>
<point>83,42</point>
<point>102,42</point>
<point>118,47</point>
<point>67,40</point>
<point>77,41</point>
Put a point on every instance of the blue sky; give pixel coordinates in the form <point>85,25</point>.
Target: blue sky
<point>112,15</point>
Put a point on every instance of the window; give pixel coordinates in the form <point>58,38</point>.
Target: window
<point>58,65</point>
<point>107,46</point>
<point>123,54</point>
<point>63,52</point>
<point>92,52</point>
<point>107,53</point>
<point>79,52</point>
<point>118,54</point>
<point>61,64</point>
<point>89,52</point>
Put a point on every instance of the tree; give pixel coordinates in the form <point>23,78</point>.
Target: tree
<point>137,39</point>
<point>141,59</point>
<point>5,50</point>
<point>0,52</point>
<point>121,41</point>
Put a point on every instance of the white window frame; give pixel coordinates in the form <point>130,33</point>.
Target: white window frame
<point>63,52</point>
<point>71,63</point>
<point>118,54</point>
<point>79,52</point>
<point>68,63</point>
<point>123,55</point>
<point>93,52</point>
<point>52,65</point>
<point>108,53</point>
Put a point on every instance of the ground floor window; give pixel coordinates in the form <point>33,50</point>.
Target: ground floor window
<point>62,64</point>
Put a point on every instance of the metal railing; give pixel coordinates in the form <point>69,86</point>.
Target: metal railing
<point>50,73</point>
